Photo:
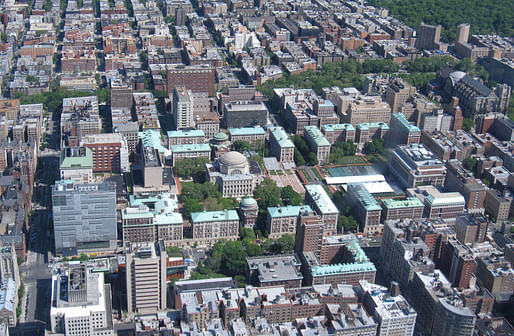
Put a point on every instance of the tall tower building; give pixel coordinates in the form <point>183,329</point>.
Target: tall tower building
<point>463,33</point>
<point>146,277</point>
<point>182,108</point>
<point>428,37</point>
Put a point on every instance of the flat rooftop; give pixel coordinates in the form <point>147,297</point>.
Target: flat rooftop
<point>321,199</point>
<point>276,268</point>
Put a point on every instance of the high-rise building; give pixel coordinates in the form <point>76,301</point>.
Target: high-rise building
<point>471,228</point>
<point>110,152</point>
<point>84,216</point>
<point>318,199</point>
<point>394,315</point>
<point>462,35</point>
<point>182,108</point>
<point>428,37</point>
<point>146,277</point>
<point>439,312</point>
<point>197,78</point>
<point>398,92</point>
<point>457,263</point>
<point>81,302</point>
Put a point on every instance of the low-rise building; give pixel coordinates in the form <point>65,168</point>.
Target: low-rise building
<point>366,208</point>
<point>190,151</point>
<point>281,146</point>
<point>318,143</point>
<point>185,137</point>
<point>253,135</point>
<point>353,266</point>
<point>76,163</point>
<point>410,207</point>
<point>231,173</point>
<point>210,226</point>
<point>445,205</point>
<point>280,270</point>
<point>152,218</point>
<point>402,131</point>
<point>338,132</point>
<point>283,220</point>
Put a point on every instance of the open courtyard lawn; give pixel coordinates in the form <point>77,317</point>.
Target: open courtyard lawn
<point>348,160</point>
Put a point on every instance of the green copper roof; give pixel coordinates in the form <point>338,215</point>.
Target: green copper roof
<point>409,202</point>
<point>337,127</point>
<point>316,136</point>
<point>190,148</point>
<point>152,138</point>
<point>288,211</point>
<point>405,123</point>
<point>214,216</point>
<point>365,198</point>
<point>246,131</point>
<point>367,126</point>
<point>67,162</point>
<point>281,137</point>
<point>184,134</point>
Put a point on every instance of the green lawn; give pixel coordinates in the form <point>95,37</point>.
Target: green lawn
<point>316,172</point>
<point>307,176</point>
<point>346,160</point>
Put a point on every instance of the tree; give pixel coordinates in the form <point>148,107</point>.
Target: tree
<point>286,242</point>
<point>290,197</point>
<point>312,159</point>
<point>253,250</point>
<point>241,146</point>
<point>467,124</point>
<point>194,168</point>
<point>268,194</point>
<point>469,163</point>
<point>374,147</point>
<point>348,223</point>
<point>192,205</point>
<point>3,36</point>
<point>247,234</point>
<point>234,259</point>
<point>83,257</point>
<point>298,158</point>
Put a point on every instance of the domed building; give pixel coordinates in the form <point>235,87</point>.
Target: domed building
<point>248,212</point>
<point>234,163</point>
<point>231,172</point>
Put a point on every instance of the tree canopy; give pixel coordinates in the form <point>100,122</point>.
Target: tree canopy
<point>268,194</point>
<point>485,16</point>
<point>194,168</point>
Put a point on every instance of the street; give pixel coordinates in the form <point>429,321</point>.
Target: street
<point>35,270</point>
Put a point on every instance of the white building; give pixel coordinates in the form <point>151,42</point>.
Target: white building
<point>394,315</point>
<point>81,302</point>
<point>182,108</point>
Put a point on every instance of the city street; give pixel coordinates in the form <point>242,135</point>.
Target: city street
<point>36,270</point>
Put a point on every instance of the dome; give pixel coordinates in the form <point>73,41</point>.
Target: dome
<point>233,159</point>
<point>220,136</point>
<point>248,202</point>
<point>456,76</point>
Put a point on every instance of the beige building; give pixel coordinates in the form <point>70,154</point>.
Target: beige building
<point>367,110</point>
<point>146,277</point>
<point>231,173</point>
<point>318,143</point>
<point>281,146</point>
<point>210,226</point>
